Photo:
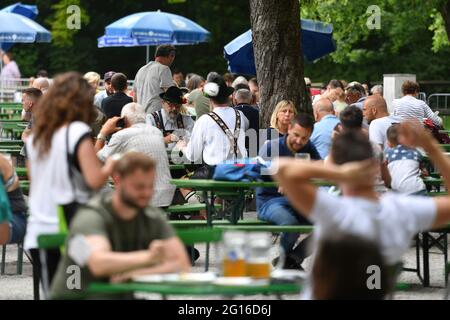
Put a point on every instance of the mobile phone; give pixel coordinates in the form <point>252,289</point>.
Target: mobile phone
<point>120,123</point>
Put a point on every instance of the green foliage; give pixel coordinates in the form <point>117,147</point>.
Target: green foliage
<point>440,38</point>
<point>411,39</point>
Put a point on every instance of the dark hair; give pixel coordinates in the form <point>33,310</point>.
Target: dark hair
<point>240,86</point>
<point>356,88</point>
<point>336,84</point>
<point>9,55</point>
<point>410,87</point>
<point>165,50</point>
<point>351,118</point>
<point>119,82</point>
<point>176,71</point>
<point>228,77</point>
<point>392,134</point>
<point>341,269</point>
<point>133,161</point>
<point>304,120</point>
<point>33,93</point>
<point>42,73</point>
<point>351,145</point>
<point>69,99</point>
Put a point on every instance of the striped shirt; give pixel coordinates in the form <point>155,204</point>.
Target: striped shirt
<point>144,138</point>
<point>409,107</point>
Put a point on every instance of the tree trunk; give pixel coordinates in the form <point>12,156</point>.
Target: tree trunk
<point>278,55</point>
<point>445,12</point>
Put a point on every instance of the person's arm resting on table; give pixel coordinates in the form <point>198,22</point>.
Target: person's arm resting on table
<point>104,263</point>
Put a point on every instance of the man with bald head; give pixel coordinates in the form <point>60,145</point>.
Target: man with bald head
<point>242,101</point>
<point>376,113</point>
<point>41,84</point>
<point>326,123</point>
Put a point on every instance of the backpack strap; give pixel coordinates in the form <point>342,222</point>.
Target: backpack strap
<point>233,137</point>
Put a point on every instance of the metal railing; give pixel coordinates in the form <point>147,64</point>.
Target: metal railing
<point>439,101</point>
<point>10,89</point>
<point>422,96</point>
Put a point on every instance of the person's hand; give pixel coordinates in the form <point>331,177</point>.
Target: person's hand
<point>156,251</point>
<point>171,138</point>
<point>109,164</point>
<point>280,190</point>
<point>180,145</point>
<point>110,126</point>
<point>359,172</point>
<point>413,134</point>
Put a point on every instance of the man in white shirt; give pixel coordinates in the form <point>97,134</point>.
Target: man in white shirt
<point>409,107</point>
<point>154,78</point>
<point>220,135</point>
<point>376,113</point>
<point>391,220</point>
<point>216,136</point>
<point>173,125</point>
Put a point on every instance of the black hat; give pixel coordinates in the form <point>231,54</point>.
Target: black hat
<point>216,88</point>
<point>173,95</point>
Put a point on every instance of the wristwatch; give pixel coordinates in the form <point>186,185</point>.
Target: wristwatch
<point>100,136</point>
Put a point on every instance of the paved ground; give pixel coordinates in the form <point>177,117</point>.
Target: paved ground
<point>19,287</point>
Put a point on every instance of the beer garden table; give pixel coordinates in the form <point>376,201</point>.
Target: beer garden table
<point>174,288</point>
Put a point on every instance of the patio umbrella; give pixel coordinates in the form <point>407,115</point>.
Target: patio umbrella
<point>19,29</point>
<point>152,28</point>
<point>29,11</point>
<point>317,41</point>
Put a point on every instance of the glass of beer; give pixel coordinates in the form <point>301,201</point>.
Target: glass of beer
<point>259,255</point>
<point>233,257</point>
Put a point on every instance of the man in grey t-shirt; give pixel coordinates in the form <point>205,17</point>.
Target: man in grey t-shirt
<point>154,78</point>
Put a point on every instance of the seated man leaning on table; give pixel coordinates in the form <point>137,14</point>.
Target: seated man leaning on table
<point>390,219</point>
<point>173,124</point>
<point>117,235</point>
<point>272,205</point>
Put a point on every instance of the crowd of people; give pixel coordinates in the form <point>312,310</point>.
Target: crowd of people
<point>80,140</point>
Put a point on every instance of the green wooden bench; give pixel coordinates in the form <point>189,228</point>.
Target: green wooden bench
<point>190,224</point>
<point>11,143</point>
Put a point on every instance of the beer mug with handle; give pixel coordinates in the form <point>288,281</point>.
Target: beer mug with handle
<point>233,254</point>
<point>260,253</point>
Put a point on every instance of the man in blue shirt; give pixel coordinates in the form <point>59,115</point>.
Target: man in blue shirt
<point>324,127</point>
<point>271,204</point>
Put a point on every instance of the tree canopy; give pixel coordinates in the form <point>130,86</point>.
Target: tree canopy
<point>412,37</point>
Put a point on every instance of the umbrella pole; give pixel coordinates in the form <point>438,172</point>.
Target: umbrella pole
<point>147,54</point>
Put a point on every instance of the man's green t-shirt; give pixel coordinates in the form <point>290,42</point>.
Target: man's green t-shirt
<point>98,218</point>
<point>200,102</point>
